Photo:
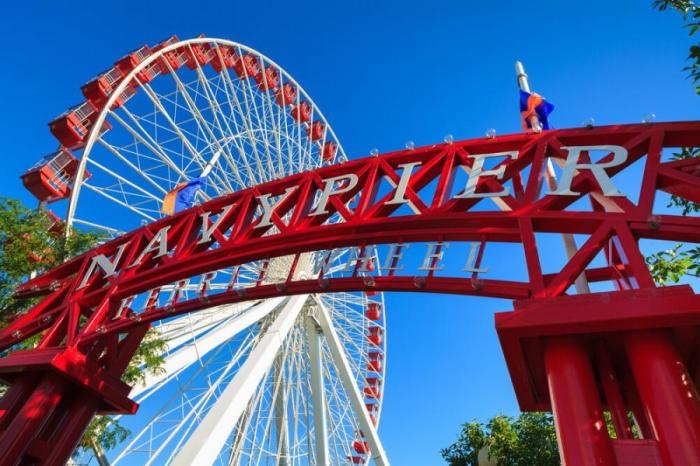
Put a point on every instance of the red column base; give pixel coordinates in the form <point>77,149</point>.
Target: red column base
<point>51,399</point>
<point>651,340</point>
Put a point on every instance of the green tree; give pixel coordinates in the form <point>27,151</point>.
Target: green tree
<point>31,243</point>
<point>529,439</point>
<point>671,265</point>
<point>691,18</point>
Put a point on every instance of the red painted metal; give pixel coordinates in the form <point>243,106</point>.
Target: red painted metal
<point>581,431</point>
<point>668,394</point>
<point>82,359</point>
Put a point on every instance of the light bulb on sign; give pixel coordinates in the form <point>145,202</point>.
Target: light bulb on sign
<point>410,145</point>
<point>588,122</point>
<point>491,133</point>
<point>374,152</point>
<point>449,139</point>
<point>649,118</point>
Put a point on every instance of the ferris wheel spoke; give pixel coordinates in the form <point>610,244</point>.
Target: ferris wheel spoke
<point>250,102</point>
<point>189,354</point>
<point>274,116</point>
<point>237,109</point>
<point>202,123</point>
<point>117,201</point>
<point>205,396</point>
<point>279,404</point>
<point>336,429</point>
<point>248,114</point>
<point>296,394</point>
<point>227,88</point>
<point>196,156</point>
<point>181,329</point>
<point>309,148</point>
<point>255,412</point>
<point>234,104</point>
<point>145,138</point>
<point>346,375</point>
<point>202,126</point>
<point>209,437</point>
<point>289,146</point>
<point>214,391</point>
<point>318,394</point>
<point>359,351</point>
<point>123,180</point>
<point>218,115</point>
<point>133,167</point>
<point>110,230</point>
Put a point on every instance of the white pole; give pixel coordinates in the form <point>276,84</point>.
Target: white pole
<point>210,164</point>
<point>200,347</point>
<point>581,283</point>
<point>205,443</point>
<point>522,77</point>
<point>346,376</point>
<point>525,86</point>
<point>281,417</point>
<point>318,393</point>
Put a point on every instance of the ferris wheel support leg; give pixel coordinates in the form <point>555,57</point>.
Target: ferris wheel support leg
<point>318,393</point>
<point>281,417</point>
<point>343,366</point>
<point>205,444</point>
<point>190,354</point>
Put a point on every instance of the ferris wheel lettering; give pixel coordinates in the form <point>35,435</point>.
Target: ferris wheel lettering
<point>360,260</point>
<point>157,244</point>
<point>108,267</point>
<point>207,231</point>
<point>572,165</point>
<point>269,208</point>
<point>345,183</point>
<point>334,187</point>
<point>477,171</point>
<point>400,193</point>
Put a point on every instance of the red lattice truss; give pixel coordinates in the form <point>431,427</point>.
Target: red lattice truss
<point>82,340</point>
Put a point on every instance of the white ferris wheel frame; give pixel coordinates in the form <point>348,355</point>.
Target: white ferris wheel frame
<point>321,328</point>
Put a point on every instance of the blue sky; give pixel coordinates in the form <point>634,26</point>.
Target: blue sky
<point>382,74</point>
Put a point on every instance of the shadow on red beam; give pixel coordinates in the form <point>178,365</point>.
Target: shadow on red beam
<point>594,275</point>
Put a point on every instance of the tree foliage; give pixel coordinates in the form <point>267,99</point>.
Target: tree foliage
<point>528,440</point>
<point>29,245</point>
<point>691,18</point>
<point>686,206</point>
<point>671,265</point>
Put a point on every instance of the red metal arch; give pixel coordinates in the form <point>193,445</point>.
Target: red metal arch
<point>74,372</point>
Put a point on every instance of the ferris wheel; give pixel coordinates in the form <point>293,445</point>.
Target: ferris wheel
<point>274,381</point>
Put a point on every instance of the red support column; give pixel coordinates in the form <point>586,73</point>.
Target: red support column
<point>611,388</point>
<point>34,414</point>
<point>79,415</point>
<point>581,430</point>
<point>15,396</point>
<point>668,395</point>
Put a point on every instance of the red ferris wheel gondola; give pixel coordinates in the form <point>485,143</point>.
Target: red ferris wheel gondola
<point>52,177</point>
